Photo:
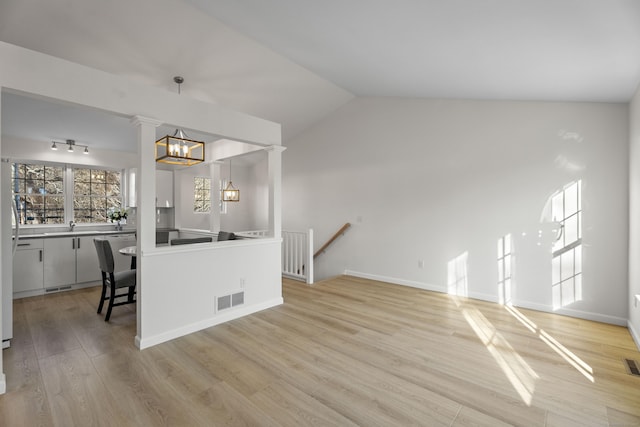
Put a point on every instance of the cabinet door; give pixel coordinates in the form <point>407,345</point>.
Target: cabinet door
<point>28,270</point>
<point>59,261</point>
<point>87,265</point>
<point>164,189</point>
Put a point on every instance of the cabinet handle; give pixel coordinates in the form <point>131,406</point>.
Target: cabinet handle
<point>78,243</point>
<point>24,244</point>
<point>40,255</point>
<point>73,243</point>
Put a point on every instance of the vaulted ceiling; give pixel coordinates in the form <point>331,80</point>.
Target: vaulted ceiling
<point>295,61</point>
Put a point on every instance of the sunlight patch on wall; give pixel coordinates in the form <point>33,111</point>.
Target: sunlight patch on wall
<point>566,264</point>
<point>457,279</point>
<point>505,266</point>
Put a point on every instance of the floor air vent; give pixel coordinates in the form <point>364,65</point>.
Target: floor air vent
<point>228,301</point>
<point>633,367</point>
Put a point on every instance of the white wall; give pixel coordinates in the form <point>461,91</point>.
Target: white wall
<point>21,149</point>
<point>634,217</point>
<point>432,179</point>
<point>250,213</point>
<point>183,299</point>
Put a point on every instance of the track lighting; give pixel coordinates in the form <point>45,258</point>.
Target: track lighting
<point>70,144</point>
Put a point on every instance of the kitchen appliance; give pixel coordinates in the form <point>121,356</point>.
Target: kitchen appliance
<point>8,250</point>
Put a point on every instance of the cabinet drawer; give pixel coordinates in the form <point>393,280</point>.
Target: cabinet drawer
<point>24,244</point>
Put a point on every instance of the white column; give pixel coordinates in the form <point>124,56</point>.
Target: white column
<point>145,202</point>
<point>5,260</point>
<point>274,160</point>
<point>214,173</point>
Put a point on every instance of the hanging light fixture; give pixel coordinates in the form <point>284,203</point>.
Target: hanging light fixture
<point>178,149</point>
<point>230,194</point>
<point>70,145</point>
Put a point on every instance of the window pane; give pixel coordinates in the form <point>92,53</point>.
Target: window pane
<point>54,187</point>
<point>97,175</point>
<point>82,215</point>
<point>113,189</point>
<point>98,203</point>
<point>112,177</point>
<point>81,175</point>
<point>96,192</point>
<point>98,189</point>
<point>54,202</point>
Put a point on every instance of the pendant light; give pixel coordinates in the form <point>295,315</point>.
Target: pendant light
<point>230,194</point>
<point>178,149</point>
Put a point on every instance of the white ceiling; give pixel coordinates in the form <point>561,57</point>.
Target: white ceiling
<point>295,61</point>
<point>582,50</point>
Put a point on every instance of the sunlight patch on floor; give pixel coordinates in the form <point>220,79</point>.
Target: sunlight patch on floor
<point>515,368</point>
<point>579,364</point>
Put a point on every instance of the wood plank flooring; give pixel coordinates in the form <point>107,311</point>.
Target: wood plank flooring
<point>344,352</point>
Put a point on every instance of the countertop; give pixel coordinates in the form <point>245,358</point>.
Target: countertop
<point>53,234</point>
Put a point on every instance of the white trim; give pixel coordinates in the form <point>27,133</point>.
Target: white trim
<point>207,323</point>
<point>396,281</point>
<point>597,317</point>
<point>634,334</point>
<point>3,384</point>
<point>199,247</point>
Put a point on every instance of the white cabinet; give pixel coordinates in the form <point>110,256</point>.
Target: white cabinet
<point>164,189</point>
<point>59,261</point>
<point>28,263</point>
<point>87,265</point>
<point>56,263</point>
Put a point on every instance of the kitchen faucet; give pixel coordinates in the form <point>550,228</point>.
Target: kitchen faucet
<point>71,225</point>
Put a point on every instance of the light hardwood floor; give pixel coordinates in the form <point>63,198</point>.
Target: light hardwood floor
<point>343,352</point>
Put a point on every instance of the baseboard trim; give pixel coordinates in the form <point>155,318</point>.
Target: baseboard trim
<point>396,281</point>
<point>231,314</point>
<point>634,334</point>
<point>596,317</point>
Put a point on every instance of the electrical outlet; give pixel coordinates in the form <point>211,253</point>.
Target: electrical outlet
<point>242,282</point>
<point>420,263</point>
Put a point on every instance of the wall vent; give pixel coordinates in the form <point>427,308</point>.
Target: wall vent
<point>229,301</point>
<point>633,367</point>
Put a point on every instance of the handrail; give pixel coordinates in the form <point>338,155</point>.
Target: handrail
<point>332,239</point>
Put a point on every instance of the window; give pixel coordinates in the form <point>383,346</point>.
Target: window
<point>95,193</point>
<point>566,266</point>
<point>201,194</point>
<point>39,193</point>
